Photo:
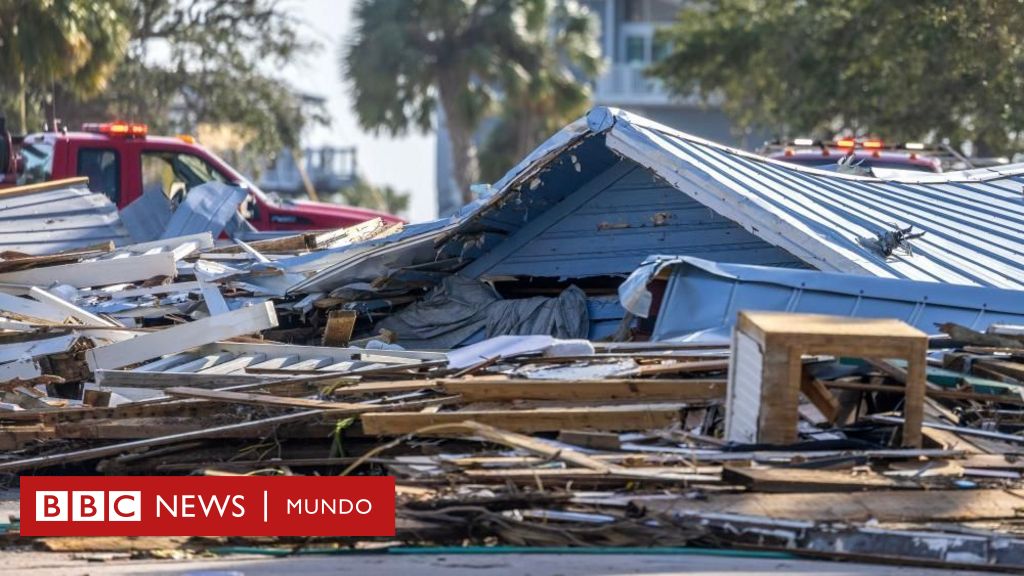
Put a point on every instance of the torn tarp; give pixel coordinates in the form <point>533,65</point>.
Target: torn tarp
<point>701,298</point>
<point>459,308</point>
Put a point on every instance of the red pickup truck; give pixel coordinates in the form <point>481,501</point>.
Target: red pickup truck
<point>122,161</point>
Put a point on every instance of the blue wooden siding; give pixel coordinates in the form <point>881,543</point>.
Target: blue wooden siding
<point>614,221</point>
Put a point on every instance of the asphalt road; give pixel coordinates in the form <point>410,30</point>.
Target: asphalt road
<point>51,564</point>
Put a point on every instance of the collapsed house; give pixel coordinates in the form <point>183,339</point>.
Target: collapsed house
<point>591,203</point>
<point>555,384</point>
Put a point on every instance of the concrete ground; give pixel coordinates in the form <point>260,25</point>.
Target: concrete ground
<point>59,564</point>
<point>31,563</point>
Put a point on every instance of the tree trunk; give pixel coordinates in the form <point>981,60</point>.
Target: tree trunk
<point>22,108</point>
<point>460,135</point>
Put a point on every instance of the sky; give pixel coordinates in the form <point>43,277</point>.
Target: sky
<point>406,163</point>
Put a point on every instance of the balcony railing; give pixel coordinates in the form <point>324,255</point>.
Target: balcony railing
<point>624,84</point>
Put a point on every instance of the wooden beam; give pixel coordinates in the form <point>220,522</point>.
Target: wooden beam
<point>45,186</point>
<point>69,309</point>
<point>930,392</point>
<point>98,273</point>
<point>801,480</point>
<point>259,399</point>
<point>610,390</point>
<point>625,417</point>
<point>883,506</point>
<point>182,337</point>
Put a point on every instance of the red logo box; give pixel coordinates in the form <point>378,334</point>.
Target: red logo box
<point>207,506</point>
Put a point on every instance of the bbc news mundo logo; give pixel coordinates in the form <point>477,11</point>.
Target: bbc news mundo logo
<point>88,506</point>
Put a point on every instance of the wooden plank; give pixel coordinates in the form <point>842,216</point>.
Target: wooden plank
<point>22,368</point>
<point>259,399</point>
<point>820,396</point>
<point>69,309</point>
<point>215,303</point>
<point>339,354</point>
<point>678,368</point>
<point>36,348</point>
<point>133,379</point>
<point>31,310</point>
<point>98,273</point>
<point>75,182</point>
<point>247,429</point>
<point>202,240</point>
<point>532,475</point>
<point>693,390</point>
<point>615,418</point>
<point>182,337</point>
<point>883,506</point>
<point>12,262</point>
<point>930,392</point>
<point>199,364</point>
<point>234,365</point>
<point>251,426</point>
<point>803,480</point>
<point>191,286</point>
<point>338,330</point>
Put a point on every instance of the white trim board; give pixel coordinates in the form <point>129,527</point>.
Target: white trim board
<point>183,337</point>
<point>97,273</point>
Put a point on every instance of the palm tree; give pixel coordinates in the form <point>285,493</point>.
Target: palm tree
<point>540,101</point>
<point>409,55</point>
<point>77,43</point>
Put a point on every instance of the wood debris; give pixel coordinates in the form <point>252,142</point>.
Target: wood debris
<point>191,355</point>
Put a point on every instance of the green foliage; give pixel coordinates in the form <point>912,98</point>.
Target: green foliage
<point>541,100</point>
<point>213,68</point>
<point>903,70</point>
<point>175,63</point>
<point>407,56</point>
<point>366,195</point>
<point>76,43</point>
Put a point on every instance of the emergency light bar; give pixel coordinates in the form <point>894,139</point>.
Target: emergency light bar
<point>118,129</point>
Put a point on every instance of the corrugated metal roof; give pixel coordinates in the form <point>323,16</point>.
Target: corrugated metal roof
<point>971,219</point>
<point>701,298</point>
<point>62,217</point>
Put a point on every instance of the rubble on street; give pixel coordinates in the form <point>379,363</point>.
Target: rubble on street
<point>637,338</point>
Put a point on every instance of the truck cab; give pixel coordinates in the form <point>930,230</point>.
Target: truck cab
<point>122,161</point>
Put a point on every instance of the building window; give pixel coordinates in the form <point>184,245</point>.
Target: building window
<point>636,49</point>
<point>102,167</point>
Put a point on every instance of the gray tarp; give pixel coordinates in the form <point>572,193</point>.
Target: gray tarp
<point>457,308</point>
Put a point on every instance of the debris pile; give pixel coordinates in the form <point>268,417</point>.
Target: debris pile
<point>694,403</point>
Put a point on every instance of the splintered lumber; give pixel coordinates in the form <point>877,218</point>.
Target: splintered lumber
<point>490,390</point>
<point>803,480</point>
<point>619,473</point>
<point>930,392</point>
<point>338,330</point>
<point>884,506</point>
<point>279,401</point>
<point>103,451</point>
<point>98,273</point>
<point>624,417</point>
<point>241,429</point>
<point>184,336</point>
<point>678,368</point>
<point>69,309</point>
